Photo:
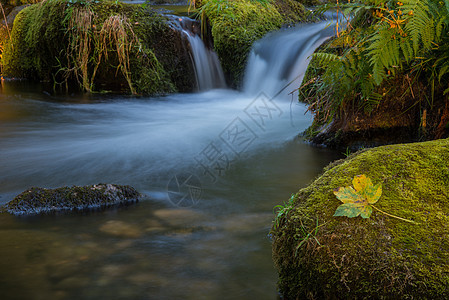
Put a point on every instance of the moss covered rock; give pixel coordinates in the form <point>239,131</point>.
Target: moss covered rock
<point>9,3</point>
<point>320,256</point>
<point>100,45</point>
<point>237,24</point>
<point>76,198</point>
<point>8,13</point>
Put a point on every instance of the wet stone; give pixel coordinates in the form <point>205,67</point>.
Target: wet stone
<point>67,199</point>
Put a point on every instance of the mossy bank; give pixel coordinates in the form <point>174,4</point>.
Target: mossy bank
<point>99,45</point>
<point>377,82</point>
<point>320,256</point>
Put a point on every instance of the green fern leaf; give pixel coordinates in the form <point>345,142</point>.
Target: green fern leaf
<point>324,58</point>
<point>418,23</point>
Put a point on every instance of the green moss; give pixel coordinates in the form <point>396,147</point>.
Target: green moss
<point>4,36</point>
<point>18,2</point>
<point>292,11</point>
<point>19,58</point>
<point>380,257</point>
<point>47,44</point>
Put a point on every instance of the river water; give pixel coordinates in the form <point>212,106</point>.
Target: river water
<point>212,166</point>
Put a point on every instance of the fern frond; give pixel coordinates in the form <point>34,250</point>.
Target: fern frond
<point>323,58</point>
<point>419,22</point>
<point>443,71</point>
<point>407,49</point>
<point>383,53</point>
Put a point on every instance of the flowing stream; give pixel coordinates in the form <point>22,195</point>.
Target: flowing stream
<point>208,72</point>
<point>213,165</point>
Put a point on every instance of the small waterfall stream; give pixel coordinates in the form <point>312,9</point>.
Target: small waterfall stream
<point>281,58</point>
<point>208,72</point>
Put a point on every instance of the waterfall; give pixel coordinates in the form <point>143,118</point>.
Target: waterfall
<point>280,59</point>
<point>208,72</point>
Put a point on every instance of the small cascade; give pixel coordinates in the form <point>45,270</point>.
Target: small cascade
<point>208,72</point>
<point>279,61</point>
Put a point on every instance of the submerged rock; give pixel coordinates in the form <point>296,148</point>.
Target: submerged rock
<point>320,256</point>
<point>121,229</point>
<point>77,198</point>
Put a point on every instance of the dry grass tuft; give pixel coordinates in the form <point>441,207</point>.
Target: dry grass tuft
<point>114,36</point>
<point>80,46</point>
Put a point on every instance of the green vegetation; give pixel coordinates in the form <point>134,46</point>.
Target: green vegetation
<point>391,56</point>
<point>378,257</point>
<point>18,2</point>
<point>282,210</point>
<point>8,11</point>
<point>99,45</point>
<point>4,32</point>
<point>237,24</point>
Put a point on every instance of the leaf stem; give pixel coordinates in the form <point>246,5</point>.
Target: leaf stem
<point>393,216</point>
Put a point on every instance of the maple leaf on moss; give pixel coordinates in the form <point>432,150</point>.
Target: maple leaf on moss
<point>357,200</point>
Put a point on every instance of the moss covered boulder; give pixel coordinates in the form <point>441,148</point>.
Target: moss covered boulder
<point>8,13</point>
<point>320,256</point>
<point>76,198</point>
<point>98,45</point>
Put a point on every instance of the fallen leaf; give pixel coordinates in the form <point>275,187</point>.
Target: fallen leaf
<point>357,200</point>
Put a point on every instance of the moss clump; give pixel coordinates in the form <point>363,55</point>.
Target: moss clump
<point>76,198</point>
<point>98,44</point>
<point>4,36</point>
<point>376,258</point>
<point>236,25</point>
<point>8,13</point>
<point>32,49</point>
<point>18,2</point>
<point>292,11</point>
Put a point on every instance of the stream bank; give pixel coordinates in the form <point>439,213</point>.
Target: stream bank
<point>379,83</point>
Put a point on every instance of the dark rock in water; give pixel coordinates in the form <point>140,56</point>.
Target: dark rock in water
<point>77,198</point>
